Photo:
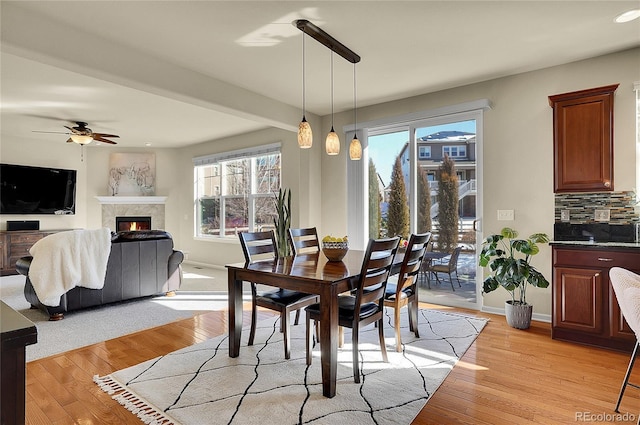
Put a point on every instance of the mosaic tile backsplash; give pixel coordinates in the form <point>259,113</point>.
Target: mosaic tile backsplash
<point>582,207</point>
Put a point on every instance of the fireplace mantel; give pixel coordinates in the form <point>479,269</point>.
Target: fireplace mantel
<point>137,200</point>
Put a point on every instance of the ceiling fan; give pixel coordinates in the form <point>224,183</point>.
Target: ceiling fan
<point>82,135</point>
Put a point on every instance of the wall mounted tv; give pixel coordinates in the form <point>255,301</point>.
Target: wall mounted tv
<point>37,190</point>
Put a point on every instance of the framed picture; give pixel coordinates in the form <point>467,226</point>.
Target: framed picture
<point>132,174</point>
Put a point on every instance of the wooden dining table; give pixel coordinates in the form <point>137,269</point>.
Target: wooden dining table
<point>310,273</point>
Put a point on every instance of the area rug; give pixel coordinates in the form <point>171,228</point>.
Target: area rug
<point>201,384</point>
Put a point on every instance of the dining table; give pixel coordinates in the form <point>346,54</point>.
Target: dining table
<point>311,273</point>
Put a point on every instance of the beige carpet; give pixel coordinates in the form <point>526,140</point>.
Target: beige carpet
<point>203,289</point>
<point>201,384</point>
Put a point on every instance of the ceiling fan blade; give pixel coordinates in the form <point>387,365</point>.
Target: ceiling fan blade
<point>103,140</point>
<point>69,140</point>
<point>52,132</point>
<point>104,135</point>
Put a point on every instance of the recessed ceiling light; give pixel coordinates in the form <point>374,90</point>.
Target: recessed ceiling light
<point>627,16</point>
<point>148,144</point>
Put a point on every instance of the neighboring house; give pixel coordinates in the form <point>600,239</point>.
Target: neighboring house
<point>458,145</point>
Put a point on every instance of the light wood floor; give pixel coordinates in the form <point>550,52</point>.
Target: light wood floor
<point>507,376</point>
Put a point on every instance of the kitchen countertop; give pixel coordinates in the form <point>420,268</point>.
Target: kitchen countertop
<point>632,245</point>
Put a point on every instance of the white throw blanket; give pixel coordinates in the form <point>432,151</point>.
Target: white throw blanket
<point>64,260</point>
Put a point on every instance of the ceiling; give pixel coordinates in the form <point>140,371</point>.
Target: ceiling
<point>176,73</point>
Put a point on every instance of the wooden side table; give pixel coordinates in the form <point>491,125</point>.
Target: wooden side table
<point>16,333</point>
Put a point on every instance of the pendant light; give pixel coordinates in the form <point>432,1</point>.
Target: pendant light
<point>305,135</point>
<point>355,148</point>
<point>332,144</point>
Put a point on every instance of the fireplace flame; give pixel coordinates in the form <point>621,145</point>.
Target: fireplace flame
<point>133,226</point>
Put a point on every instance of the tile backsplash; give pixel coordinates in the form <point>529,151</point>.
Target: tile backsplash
<point>582,207</point>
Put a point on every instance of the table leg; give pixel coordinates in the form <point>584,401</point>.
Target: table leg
<point>329,339</point>
<point>235,314</point>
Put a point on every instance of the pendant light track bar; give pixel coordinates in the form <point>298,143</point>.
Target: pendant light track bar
<point>323,38</point>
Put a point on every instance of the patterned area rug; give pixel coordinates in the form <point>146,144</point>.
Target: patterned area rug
<point>202,384</point>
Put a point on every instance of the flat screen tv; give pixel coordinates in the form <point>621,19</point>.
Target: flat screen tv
<point>37,190</point>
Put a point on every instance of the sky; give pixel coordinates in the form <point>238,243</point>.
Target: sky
<point>384,149</point>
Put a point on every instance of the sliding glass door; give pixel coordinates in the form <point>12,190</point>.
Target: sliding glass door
<point>423,176</point>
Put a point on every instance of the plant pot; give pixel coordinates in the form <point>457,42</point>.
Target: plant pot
<point>518,315</point>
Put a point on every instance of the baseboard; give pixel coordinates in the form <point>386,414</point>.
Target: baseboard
<point>500,311</point>
<point>199,264</point>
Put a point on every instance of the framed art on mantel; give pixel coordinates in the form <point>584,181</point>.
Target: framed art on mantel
<point>132,174</point>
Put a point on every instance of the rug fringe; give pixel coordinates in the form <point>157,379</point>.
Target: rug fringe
<point>132,402</point>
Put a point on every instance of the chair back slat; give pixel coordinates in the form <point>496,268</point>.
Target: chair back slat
<point>453,261</point>
<point>375,270</point>
<point>303,240</point>
<point>412,263</point>
<point>258,245</point>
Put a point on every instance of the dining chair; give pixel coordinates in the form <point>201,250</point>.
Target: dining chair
<point>367,305</point>
<point>258,246</point>
<point>304,240</point>
<point>626,285</point>
<point>448,267</point>
<point>405,291</point>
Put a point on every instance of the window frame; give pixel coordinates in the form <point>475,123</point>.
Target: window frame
<point>427,154</point>
<point>252,190</point>
<point>458,149</point>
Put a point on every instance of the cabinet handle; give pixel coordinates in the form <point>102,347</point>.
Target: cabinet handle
<point>605,259</point>
<point>607,183</point>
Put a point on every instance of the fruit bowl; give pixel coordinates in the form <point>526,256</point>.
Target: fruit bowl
<point>335,251</point>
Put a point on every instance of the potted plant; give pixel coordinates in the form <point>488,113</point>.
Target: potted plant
<point>282,221</point>
<point>509,260</point>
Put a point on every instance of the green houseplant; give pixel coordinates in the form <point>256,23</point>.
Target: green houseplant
<point>509,261</point>
<point>282,221</point>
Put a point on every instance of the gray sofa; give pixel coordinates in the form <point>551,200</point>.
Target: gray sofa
<point>141,264</point>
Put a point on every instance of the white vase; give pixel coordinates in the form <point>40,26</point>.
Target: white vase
<point>518,315</point>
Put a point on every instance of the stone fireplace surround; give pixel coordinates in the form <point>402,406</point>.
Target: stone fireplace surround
<point>115,206</point>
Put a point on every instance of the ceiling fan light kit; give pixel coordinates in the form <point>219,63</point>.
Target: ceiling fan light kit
<point>80,139</point>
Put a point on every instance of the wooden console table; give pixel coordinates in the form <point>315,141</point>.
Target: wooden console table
<point>16,244</point>
<point>16,333</point>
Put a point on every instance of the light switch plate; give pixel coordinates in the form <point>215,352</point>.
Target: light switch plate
<point>505,215</point>
<point>602,215</point>
<point>565,215</point>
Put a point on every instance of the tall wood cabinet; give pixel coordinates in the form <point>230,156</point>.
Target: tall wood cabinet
<point>585,308</point>
<point>583,140</point>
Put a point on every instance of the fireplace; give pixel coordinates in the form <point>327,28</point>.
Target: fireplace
<point>133,223</point>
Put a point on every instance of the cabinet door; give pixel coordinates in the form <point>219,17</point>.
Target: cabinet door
<point>583,140</point>
<point>578,299</point>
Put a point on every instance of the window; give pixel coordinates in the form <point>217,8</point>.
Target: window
<point>454,151</point>
<point>424,152</point>
<point>234,191</point>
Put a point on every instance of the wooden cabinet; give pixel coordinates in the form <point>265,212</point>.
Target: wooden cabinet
<point>16,244</point>
<point>585,308</point>
<point>583,140</point>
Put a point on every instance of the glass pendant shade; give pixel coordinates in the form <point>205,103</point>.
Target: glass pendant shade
<point>332,144</point>
<point>305,135</point>
<point>80,139</point>
<point>355,148</point>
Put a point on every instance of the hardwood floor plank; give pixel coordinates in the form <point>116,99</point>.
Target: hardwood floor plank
<point>507,376</point>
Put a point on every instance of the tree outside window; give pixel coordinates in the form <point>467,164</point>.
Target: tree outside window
<point>245,203</point>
